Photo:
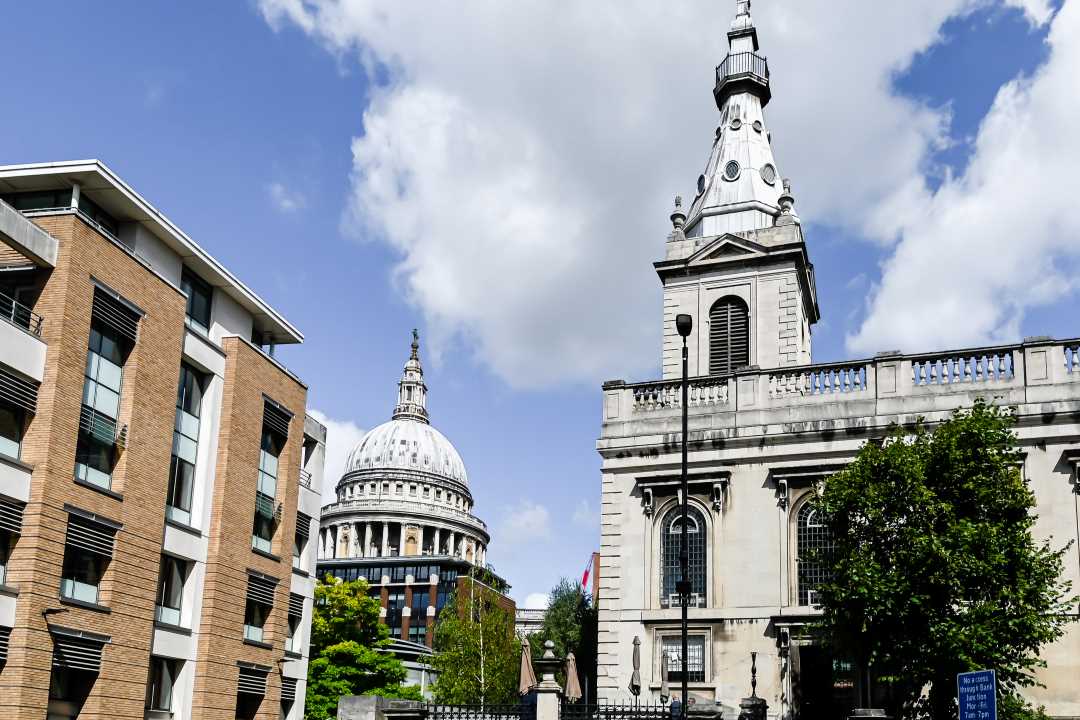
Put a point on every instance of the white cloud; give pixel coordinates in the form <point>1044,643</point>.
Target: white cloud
<point>285,199</point>
<point>1001,238</point>
<point>522,162</point>
<point>523,523</point>
<point>535,601</point>
<point>341,437</point>
<point>585,516</point>
<point>1037,11</point>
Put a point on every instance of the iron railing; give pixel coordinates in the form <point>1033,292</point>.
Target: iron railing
<point>481,712</point>
<point>305,477</point>
<point>19,315</point>
<point>744,63</point>
<point>611,711</point>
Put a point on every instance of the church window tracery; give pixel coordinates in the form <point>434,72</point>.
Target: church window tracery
<point>812,540</point>
<point>671,543</point>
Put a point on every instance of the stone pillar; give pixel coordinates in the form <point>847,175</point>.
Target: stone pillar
<point>452,548</point>
<point>436,541</point>
<point>367,539</point>
<point>355,539</point>
<point>385,539</point>
<point>548,692</point>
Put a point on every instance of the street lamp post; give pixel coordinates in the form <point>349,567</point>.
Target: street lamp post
<point>684,324</point>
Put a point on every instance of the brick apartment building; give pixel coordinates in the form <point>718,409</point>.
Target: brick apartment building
<point>159,478</point>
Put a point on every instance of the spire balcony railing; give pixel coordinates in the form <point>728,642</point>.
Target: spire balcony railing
<point>742,64</point>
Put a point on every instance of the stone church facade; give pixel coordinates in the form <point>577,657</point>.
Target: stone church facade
<point>765,425</point>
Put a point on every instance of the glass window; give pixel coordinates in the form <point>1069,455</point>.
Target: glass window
<point>92,210</point>
<point>418,629</point>
<point>262,533</point>
<point>255,615</point>
<point>813,541</point>
<point>104,369</point>
<point>5,554</point>
<point>695,656</point>
<point>81,574</point>
<point>292,640</point>
<point>199,301</point>
<point>394,603</point>
<point>171,589</point>
<point>39,199</point>
<point>159,691</point>
<point>12,422</point>
<point>185,444</point>
<point>93,461</point>
<point>670,545</point>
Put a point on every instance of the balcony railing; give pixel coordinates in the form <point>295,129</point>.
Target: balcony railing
<point>1031,372</point>
<point>744,63</point>
<point>305,478</point>
<point>19,315</point>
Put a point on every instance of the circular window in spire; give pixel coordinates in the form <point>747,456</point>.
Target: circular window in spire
<point>758,126</point>
<point>700,184</point>
<point>736,124</point>
<point>732,170</point>
<point>768,174</point>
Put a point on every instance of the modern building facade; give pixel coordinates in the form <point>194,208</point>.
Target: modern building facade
<point>765,424</point>
<point>159,479</point>
<point>403,518</point>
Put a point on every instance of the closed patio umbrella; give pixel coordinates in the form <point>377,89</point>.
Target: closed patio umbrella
<point>573,685</point>
<point>635,677</point>
<point>528,678</point>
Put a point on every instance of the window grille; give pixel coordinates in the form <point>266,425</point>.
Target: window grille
<point>260,589</point>
<point>91,533</point>
<point>78,650</point>
<point>288,689</point>
<point>296,605</point>
<point>11,515</point>
<point>729,336</point>
<point>276,417</point>
<point>113,311</point>
<point>671,543</point>
<point>813,544</point>
<point>695,658</point>
<point>303,525</point>
<point>5,637</point>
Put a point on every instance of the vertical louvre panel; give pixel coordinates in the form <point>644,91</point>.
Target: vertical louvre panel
<point>18,391</point>
<point>260,589</point>
<point>276,417</point>
<point>252,681</point>
<point>11,515</point>
<point>90,535</point>
<point>303,525</point>
<point>5,637</point>
<point>115,313</point>
<point>729,336</point>
<point>72,652</point>
<point>288,689</point>
<point>296,605</point>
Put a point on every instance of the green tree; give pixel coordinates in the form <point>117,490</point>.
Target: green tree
<point>348,650</point>
<point>477,656</point>
<point>934,567</point>
<point>570,623</point>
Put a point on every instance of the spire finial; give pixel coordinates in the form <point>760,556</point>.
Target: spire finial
<point>678,216</point>
<point>742,7</point>
<point>412,392</point>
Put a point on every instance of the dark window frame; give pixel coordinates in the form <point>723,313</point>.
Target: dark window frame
<point>198,311</point>
<point>729,335</point>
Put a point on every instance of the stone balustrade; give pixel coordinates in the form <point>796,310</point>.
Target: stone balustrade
<point>891,383</point>
<point>417,508</point>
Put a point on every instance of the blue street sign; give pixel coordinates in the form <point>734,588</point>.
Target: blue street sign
<point>977,693</point>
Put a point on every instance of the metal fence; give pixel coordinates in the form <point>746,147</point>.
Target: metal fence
<point>611,711</point>
<point>481,712</point>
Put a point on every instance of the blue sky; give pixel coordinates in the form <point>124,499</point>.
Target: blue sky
<point>368,173</point>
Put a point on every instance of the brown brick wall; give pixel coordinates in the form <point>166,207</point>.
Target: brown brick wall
<point>9,256</point>
<point>130,582</point>
<point>248,376</point>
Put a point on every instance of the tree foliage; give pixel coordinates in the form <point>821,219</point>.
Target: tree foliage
<point>348,655</point>
<point>934,567</point>
<point>570,623</point>
<point>477,656</point>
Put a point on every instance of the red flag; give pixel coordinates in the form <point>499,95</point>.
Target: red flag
<point>585,575</point>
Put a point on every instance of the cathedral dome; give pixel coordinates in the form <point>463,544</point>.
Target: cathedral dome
<point>407,445</point>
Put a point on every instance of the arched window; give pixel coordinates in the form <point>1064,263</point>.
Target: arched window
<point>813,540</point>
<point>670,543</point>
<point>729,336</point>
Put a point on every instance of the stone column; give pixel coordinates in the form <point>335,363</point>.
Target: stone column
<point>452,548</point>
<point>436,541</point>
<point>385,538</point>
<point>548,692</point>
<point>356,538</point>
<point>367,539</point>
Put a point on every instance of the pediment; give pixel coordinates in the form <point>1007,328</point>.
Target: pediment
<point>727,248</point>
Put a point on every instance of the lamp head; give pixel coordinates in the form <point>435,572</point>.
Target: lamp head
<point>684,324</point>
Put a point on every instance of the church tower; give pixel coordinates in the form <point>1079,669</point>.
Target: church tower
<point>736,261</point>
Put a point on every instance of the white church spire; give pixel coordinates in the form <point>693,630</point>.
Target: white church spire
<point>741,187</point>
<point>412,392</point>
